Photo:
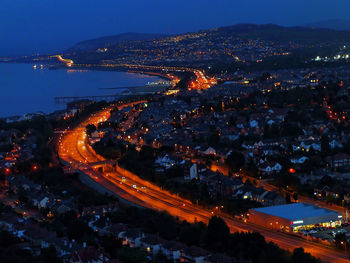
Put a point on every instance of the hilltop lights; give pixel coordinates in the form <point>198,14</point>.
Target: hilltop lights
<point>329,59</point>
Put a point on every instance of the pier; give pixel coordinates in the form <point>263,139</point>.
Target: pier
<point>95,98</point>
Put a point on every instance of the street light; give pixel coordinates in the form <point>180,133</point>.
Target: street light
<point>345,244</point>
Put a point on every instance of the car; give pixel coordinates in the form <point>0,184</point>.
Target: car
<point>134,186</point>
<point>123,178</point>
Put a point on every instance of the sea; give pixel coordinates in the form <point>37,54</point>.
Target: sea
<point>24,89</point>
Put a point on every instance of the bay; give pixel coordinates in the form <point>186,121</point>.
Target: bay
<point>24,89</point>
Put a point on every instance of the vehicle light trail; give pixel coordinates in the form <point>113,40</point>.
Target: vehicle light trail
<point>68,62</point>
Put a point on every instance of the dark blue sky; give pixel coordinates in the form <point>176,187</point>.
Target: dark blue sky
<point>48,25</point>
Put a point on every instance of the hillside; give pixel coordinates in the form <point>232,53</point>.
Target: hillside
<point>112,40</point>
<point>335,24</point>
<point>241,43</point>
<point>280,34</point>
<point>308,36</point>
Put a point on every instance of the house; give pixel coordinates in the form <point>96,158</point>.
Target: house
<point>152,244</point>
<point>249,192</point>
<point>115,229</point>
<point>173,250</point>
<point>90,255</point>
<point>299,160</point>
<point>229,185</point>
<point>306,145</point>
<point>43,202</point>
<point>95,137</point>
<point>269,168</point>
<point>347,198</point>
<point>336,191</point>
<point>100,209</point>
<point>193,172</point>
<point>335,144</point>
<point>131,237</point>
<point>196,254</point>
<point>271,199</point>
<point>253,124</point>
<point>165,161</point>
<point>16,182</point>
<point>321,192</point>
<point>62,209</point>
<point>209,151</point>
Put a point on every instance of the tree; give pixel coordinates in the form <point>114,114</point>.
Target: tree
<point>295,197</point>
<point>22,195</point>
<point>90,128</point>
<point>288,200</point>
<point>112,153</point>
<point>111,244</point>
<point>147,153</point>
<point>235,161</point>
<point>79,230</point>
<point>191,233</point>
<point>325,148</point>
<point>299,256</point>
<point>340,239</point>
<point>217,233</point>
<point>132,255</point>
<point>49,255</point>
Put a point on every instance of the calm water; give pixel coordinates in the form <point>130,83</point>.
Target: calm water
<point>27,90</point>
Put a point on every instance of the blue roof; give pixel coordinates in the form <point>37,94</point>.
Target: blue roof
<point>295,211</point>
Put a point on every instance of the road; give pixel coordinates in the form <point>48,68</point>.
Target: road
<point>73,148</point>
<point>201,82</point>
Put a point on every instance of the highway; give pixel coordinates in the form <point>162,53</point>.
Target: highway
<point>74,148</point>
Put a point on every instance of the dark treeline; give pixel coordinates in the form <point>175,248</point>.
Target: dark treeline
<point>215,237</point>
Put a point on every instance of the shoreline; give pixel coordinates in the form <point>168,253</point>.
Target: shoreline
<point>94,68</point>
<point>115,69</point>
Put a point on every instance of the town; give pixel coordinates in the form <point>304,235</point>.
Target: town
<point>263,139</point>
<point>226,144</point>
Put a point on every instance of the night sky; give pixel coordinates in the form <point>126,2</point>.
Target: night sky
<point>49,25</point>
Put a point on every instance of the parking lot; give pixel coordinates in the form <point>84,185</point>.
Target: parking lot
<point>326,233</point>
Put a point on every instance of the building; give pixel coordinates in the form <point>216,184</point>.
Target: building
<point>270,199</point>
<point>294,217</point>
<point>193,172</point>
<point>340,160</point>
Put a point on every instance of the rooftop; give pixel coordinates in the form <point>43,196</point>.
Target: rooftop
<point>295,211</point>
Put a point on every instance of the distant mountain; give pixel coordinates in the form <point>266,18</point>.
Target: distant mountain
<point>112,40</point>
<point>246,42</point>
<point>280,34</point>
<point>310,34</point>
<point>335,24</point>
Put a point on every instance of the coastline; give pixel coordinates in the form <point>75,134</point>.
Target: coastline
<point>114,69</point>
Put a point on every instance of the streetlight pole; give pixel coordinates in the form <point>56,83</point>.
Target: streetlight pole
<point>344,243</point>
